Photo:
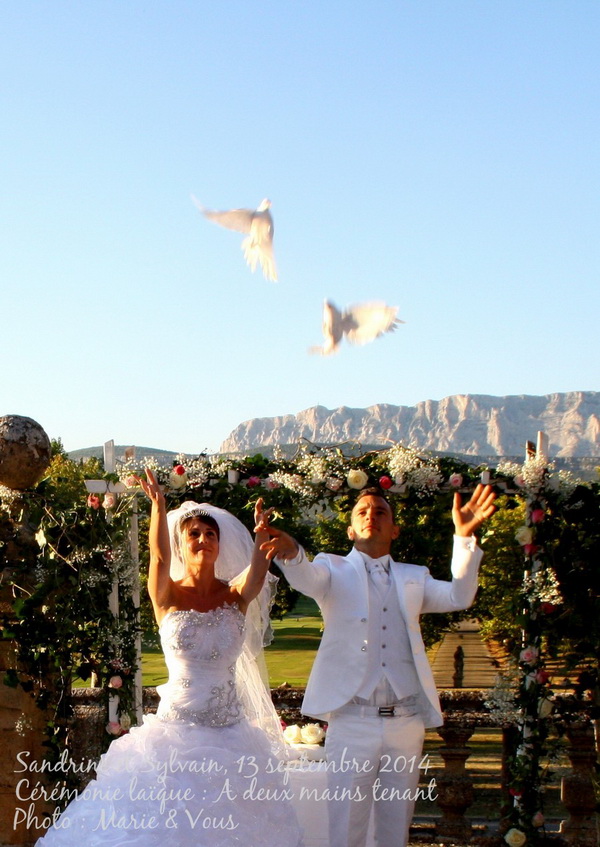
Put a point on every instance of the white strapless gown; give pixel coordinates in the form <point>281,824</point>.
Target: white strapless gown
<point>196,774</point>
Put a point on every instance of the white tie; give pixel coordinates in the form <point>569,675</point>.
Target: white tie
<point>378,570</point>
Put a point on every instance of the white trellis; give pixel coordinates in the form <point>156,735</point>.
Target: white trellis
<point>102,486</point>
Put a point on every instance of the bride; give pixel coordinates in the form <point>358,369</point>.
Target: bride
<point>203,771</point>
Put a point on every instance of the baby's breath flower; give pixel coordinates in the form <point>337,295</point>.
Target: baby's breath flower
<point>542,585</point>
<point>410,469</point>
<point>293,482</point>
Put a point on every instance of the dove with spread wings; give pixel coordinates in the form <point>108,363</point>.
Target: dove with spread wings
<point>258,225</point>
<point>361,323</point>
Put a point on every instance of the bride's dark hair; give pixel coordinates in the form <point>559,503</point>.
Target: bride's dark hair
<point>205,518</point>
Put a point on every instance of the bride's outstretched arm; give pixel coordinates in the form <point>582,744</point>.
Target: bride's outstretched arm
<point>159,581</point>
<point>260,562</point>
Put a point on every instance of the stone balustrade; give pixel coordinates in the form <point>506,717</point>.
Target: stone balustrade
<point>448,819</point>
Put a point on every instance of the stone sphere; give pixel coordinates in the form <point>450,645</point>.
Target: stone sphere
<point>25,452</point>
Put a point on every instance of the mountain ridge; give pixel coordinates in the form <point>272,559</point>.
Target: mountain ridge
<point>467,424</point>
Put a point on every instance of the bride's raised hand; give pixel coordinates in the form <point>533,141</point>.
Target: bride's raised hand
<point>261,518</point>
<point>151,488</point>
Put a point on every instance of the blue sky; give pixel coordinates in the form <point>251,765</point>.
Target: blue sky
<point>441,156</point>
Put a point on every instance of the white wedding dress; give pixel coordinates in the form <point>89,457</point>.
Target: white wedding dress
<point>196,774</point>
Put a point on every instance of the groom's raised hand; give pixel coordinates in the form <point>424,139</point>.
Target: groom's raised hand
<point>468,518</point>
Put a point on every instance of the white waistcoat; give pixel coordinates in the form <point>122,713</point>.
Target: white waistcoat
<point>390,653</point>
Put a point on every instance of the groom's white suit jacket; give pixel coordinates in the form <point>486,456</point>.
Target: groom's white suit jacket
<point>340,586</point>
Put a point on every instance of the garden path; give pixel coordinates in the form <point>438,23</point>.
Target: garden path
<point>480,666</point>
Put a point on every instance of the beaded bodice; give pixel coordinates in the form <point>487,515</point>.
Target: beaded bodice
<point>201,649</point>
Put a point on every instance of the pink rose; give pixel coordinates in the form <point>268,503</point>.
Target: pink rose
<point>333,483</point>
<point>456,480</point>
<point>93,501</point>
<point>537,515</point>
<point>109,501</point>
<point>271,484</point>
<point>385,482</point>
<point>253,481</point>
<point>530,549</point>
<point>130,481</point>
<point>115,682</point>
<point>542,677</point>
<point>519,482</point>
<point>529,655</point>
<point>538,819</point>
<point>114,728</point>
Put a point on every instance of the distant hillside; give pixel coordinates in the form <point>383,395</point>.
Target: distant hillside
<point>470,425</point>
<point>163,457</point>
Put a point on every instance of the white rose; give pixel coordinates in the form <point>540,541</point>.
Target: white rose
<point>524,535</point>
<point>357,479</point>
<point>545,707</point>
<point>177,480</point>
<point>515,838</point>
<point>125,722</point>
<point>312,733</point>
<point>292,734</point>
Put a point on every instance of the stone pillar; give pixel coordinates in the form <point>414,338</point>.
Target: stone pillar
<point>581,829</point>
<point>24,456</point>
<point>510,740</point>
<point>455,785</point>
<point>21,732</point>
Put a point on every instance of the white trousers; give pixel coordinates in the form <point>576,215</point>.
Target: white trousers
<point>372,760</point>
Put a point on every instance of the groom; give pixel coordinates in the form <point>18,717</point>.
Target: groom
<point>371,679</point>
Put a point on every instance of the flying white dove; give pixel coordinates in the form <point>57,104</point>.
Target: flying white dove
<point>361,323</point>
<point>258,247</point>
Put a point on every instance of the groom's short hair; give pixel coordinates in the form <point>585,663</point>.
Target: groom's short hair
<point>372,492</point>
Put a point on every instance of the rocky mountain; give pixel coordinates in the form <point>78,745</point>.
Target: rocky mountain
<point>469,424</point>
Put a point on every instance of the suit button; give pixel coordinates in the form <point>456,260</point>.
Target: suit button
<point>384,627</point>
<point>363,620</point>
<point>385,609</point>
<point>363,649</point>
<point>383,664</point>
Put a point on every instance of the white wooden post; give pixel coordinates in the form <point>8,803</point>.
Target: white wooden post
<point>134,546</point>
<point>113,599</point>
<point>109,467</point>
<point>100,486</point>
<point>542,445</point>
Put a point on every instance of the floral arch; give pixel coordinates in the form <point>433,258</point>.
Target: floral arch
<point>77,546</point>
